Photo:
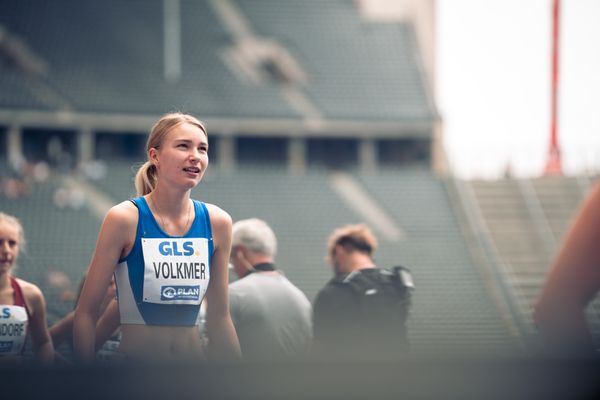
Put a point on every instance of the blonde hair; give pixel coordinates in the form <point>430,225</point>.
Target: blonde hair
<point>14,221</point>
<point>353,237</point>
<point>145,178</point>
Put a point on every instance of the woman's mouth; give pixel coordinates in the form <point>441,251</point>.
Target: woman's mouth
<point>4,261</point>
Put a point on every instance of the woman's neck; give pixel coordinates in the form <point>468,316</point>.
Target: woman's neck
<point>170,202</point>
<point>5,280</point>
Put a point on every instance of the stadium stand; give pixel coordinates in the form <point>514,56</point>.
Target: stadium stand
<point>109,58</point>
<point>445,317</point>
<point>15,92</point>
<point>118,183</point>
<point>349,76</point>
<point>523,222</point>
<point>58,240</point>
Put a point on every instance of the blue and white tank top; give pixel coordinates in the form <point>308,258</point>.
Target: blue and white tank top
<point>164,278</point>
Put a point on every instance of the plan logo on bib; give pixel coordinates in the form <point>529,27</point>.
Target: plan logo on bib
<point>180,292</point>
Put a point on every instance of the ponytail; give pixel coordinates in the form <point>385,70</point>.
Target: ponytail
<point>145,179</point>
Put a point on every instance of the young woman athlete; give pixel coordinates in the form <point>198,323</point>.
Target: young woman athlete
<point>22,304</point>
<point>166,251</point>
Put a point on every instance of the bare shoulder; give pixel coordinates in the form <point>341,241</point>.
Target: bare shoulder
<point>32,293</point>
<point>219,218</point>
<point>220,222</point>
<point>123,215</point>
<point>125,209</point>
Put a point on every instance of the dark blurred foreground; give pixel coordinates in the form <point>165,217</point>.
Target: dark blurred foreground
<point>424,379</point>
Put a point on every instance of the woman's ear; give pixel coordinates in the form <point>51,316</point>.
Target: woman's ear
<point>153,156</point>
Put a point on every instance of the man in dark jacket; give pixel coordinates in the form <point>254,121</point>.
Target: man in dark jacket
<point>360,314</point>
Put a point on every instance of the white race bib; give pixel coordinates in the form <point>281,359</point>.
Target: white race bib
<point>175,270</point>
<point>13,329</point>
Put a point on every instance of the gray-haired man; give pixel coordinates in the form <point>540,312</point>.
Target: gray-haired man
<point>272,317</point>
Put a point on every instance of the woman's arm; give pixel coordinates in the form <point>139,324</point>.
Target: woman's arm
<point>42,343</point>
<point>108,323</point>
<point>116,236</point>
<point>573,281</point>
<point>62,330</point>
<point>223,340</point>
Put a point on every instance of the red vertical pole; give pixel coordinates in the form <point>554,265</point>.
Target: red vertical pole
<point>553,164</point>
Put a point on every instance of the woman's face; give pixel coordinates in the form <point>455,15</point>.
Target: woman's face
<point>9,246</point>
<point>183,156</point>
